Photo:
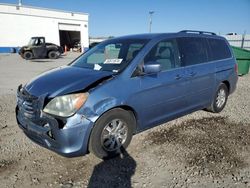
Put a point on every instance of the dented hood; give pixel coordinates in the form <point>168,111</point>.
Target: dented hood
<point>64,80</point>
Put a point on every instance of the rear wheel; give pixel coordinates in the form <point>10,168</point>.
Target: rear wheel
<point>112,132</point>
<point>53,54</point>
<point>220,99</point>
<point>27,55</point>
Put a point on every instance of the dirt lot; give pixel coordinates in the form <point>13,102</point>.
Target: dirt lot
<point>198,150</point>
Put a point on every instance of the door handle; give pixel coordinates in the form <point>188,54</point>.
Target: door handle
<point>192,74</point>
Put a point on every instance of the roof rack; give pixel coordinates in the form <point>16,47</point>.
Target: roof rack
<point>198,32</point>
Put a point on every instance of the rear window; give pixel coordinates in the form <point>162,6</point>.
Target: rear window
<point>219,49</point>
<point>193,50</point>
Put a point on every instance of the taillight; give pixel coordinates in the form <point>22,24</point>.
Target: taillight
<point>236,68</point>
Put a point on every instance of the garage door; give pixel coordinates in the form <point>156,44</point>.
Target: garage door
<point>69,27</point>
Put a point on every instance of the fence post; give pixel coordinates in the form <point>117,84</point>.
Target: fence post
<point>243,39</point>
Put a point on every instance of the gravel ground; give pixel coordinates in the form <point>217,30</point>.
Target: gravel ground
<point>198,150</point>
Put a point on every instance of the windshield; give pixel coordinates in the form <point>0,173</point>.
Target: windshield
<point>112,55</point>
<point>32,42</point>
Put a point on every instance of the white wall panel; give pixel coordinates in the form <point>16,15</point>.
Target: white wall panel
<point>18,26</point>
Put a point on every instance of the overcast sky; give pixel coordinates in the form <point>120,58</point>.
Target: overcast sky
<point>122,17</point>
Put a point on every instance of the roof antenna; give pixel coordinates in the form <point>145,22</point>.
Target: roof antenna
<point>19,2</point>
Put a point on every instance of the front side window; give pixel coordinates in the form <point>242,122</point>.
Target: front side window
<point>133,50</point>
<point>113,55</point>
<point>163,53</point>
<point>193,50</point>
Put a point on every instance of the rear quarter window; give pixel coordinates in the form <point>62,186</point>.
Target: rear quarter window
<point>219,49</point>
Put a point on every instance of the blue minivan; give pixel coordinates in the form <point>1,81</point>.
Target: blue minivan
<point>124,86</point>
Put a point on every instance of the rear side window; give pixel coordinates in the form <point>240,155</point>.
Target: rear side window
<point>219,49</point>
<point>193,50</point>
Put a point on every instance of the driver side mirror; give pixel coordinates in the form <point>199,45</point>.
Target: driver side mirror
<point>151,67</point>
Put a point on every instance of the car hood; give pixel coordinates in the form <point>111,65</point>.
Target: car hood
<point>64,80</point>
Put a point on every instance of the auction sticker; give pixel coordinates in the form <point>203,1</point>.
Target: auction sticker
<point>113,61</point>
<point>97,67</point>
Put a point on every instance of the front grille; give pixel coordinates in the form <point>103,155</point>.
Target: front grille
<point>28,104</point>
<point>28,109</point>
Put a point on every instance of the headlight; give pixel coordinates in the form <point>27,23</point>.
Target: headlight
<point>66,105</point>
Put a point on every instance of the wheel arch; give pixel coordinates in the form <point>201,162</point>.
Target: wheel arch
<point>131,111</point>
<point>226,82</point>
<point>29,50</point>
<point>123,107</point>
<point>51,48</point>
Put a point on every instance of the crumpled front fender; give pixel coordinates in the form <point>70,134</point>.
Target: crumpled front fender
<point>94,112</point>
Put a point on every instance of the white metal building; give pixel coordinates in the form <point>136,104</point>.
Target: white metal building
<point>19,23</point>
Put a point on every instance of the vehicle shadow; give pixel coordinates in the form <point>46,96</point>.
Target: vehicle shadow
<point>46,60</point>
<point>41,61</point>
<point>116,172</point>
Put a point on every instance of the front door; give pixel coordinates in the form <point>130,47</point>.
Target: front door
<point>162,95</point>
<point>39,49</point>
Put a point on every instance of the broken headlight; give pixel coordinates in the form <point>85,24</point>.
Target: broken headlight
<point>66,105</point>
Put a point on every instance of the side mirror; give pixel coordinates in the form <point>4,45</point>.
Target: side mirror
<point>151,67</point>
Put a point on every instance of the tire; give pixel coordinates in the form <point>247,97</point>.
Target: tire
<point>112,133</point>
<point>27,55</point>
<point>220,99</point>
<point>53,54</point>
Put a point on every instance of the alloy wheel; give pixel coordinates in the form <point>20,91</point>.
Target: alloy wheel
<point>221,98</point>
<point>114,135</point>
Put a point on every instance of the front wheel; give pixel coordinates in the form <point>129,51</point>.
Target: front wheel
<point>220,99</point>
<point>111,133</point>
<point>27,55</point>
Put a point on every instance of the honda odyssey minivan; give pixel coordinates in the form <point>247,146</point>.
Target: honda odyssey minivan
<point>124,86</point>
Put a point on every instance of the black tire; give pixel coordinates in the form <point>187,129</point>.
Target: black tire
<point>53,54</point>
<point>220,99</point>
<point>99,139</point>
<point>27,55</point>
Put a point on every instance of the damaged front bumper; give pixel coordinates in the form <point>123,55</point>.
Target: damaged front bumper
<point>68,137</point>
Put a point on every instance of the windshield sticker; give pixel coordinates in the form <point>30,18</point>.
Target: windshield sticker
<point>97,67</point>
<point>113,61</point>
